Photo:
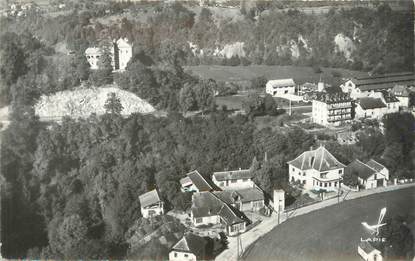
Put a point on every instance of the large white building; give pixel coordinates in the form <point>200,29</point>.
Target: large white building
<point>280,87</point>
<point>316,170</point>
<point>234,179</point>
<point>151,204</point>
<point>401,92</point>
<point>121,53</point>
<point>331,109</point>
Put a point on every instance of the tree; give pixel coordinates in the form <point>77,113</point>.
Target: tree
<point>104,73</point>
<point>399,239</point>
<point>113,104</point>
<point>270,105</point>
<point>253,104</point>
<point>258,82</point>
<point>204,93</point>
<point>187,98</point>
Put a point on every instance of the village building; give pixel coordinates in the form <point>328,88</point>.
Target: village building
<point>401,92</point>
<point>368,252</point>
<point>280,87</point>
<point>195,182</point>
<point>234,179</point>
<point>316,170</point>
<point>361,86</point>
<point>346,137</point>
<point>331,109</point>
<point>208,209</point>
<point>121,53</point>
<point>248,199</point>
<point>189,248</point>
<point>151,204</point>
<point>368,177</point>
<point>370,107</point>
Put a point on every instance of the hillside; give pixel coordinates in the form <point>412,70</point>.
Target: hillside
<point>84,101</point>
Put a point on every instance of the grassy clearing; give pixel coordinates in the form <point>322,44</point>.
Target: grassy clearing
<point>300,74</point>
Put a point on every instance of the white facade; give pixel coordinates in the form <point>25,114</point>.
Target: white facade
<point>207,220</point>
<point>331,114</point>
<point>92,55</point>
<point>375,113</point>
<point>121,53</point>
<point>152,211</point>
<point>374,255</point>
<point>176,255</point>
<point>280,87</point>
<point>373,181</point>
<point>125,53</point>
<point>313,179</point>
<point>234,184</point>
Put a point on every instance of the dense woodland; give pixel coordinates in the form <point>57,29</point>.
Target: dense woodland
<point>71,189</point>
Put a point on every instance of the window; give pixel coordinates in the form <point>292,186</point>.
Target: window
<point>186,255</point>
<point>374,176</point>
<point>199,220</point>
<point>329,184</point>
<point>304,182</point>
<point>340,171</point>
<point>323,175</point>
<point>234,181</point>
<point>325,185</point>
<point>335,184</point>
<point>293,169</point>
<point>175,254</point>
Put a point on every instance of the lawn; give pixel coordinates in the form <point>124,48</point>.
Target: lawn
<point>332,233</point>
<point>300,74</point>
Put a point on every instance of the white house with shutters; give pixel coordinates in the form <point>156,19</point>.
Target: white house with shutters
<point>189,248</point>
<point>316,170</point>
<point>370,175</point>
<point>280,87</point>
<point>234,179</point>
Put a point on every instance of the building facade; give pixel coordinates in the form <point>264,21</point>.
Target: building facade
<point>331,109</point>
<point>361,86</point>
<point>368,177</point>
<point>316,170</point>
<point>234,179</point>
<point>189,248</point>
<point>121,53</point>
<point>151,204</point>
<point>194,182</point>
<point>280,87</point>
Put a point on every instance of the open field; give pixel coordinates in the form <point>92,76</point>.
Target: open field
<point>331,233</point>
<point>300,74</point>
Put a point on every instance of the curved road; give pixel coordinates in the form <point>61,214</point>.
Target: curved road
<point>331,233</point>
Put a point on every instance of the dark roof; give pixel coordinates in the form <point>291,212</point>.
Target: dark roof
<point>231,215</point>
<point>149,198</point>
<point>245,195</point>
<point>386,81</point>
<point>233,174</point>
<point>371,103</point>
<point>206,204</point>
<point>191,243</point>
<point>367,247</point>
<point>251,194</point>
<point>330,98</point>
<point>361,169</point>
<point>319,159</point>
<point>198,180</point>
<point>375,165</point>
<point>389,97</point>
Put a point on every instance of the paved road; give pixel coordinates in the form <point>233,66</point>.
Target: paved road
<point>330,233</point>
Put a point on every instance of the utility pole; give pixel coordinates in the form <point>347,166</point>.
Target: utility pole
<point>338,192</point>
<point>290,109</point>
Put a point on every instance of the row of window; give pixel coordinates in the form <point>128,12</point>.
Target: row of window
<point>185,255</point>
<point>324,184</point>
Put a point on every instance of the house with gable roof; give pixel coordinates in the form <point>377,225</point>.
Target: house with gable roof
<point>195,182</point>
<point>368,252</point>
<point>189,248</point>
<point>280,87</point>
<point>234,179</point>
<point>151,204</point>
<point>209,209</point>
<point>401,92</point>
<point>316,170</point>
<point>370,175</point>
